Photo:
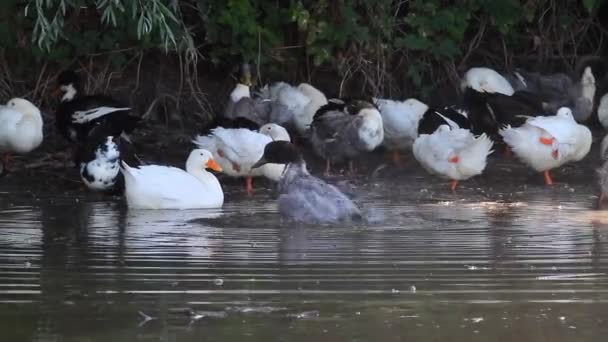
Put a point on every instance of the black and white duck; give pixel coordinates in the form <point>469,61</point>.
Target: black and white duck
<point>78,113</point>
<point>559,90</point>
<point>489,112</point>
<point>452,116</point>
<point>100,157</point>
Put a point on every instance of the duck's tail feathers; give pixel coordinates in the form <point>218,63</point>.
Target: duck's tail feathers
<point>204,141</point>
<point>127,172</point>
<point>473,158</point>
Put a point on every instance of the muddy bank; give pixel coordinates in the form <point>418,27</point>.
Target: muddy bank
<point>47,171</point>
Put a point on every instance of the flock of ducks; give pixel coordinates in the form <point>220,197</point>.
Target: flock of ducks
<point>536,117</point>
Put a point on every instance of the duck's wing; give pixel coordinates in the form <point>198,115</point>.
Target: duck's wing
<point>432,151</point>
<point>280,114</point>
<point>487,80</point>
<point>560,128</point>
<point>241,146</point>
<point>9,117</point>
<point>401,117</point>
<point>508,110</point>
<point>293,99</point>
<point>310,199</point>
<point>332,125</point>
<point>93,107</point>
<point>550,87</point>
<point>166,182</point>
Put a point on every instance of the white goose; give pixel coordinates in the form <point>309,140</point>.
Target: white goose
<point>453,153</point>
<point>165,187</point>
<point>238,149</point>
<point>547,142</point>
<point>20,128</point>
<point>486,80</point>
<point>400,121</point>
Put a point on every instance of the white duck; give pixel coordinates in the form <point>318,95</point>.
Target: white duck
<point>400,121</point>
<point>20,128</point>
<point>453,153</point>
<point>547,142</point>
<point>602,111</point>
<point>486,80</point>
<point>302,102</point>
<point>303,119</point>
<point>238,149</point>
<point>165,187</point>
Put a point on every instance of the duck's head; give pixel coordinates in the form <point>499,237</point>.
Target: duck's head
<point>245,78</point>
<point>276,132</point>
<point>68,85</point>
<point>565,112</point>
<point>23,106</point>
<point>587,78</point>
<point>108,150</point>
<point>357,106</point>
<point>201,158</point>
<point>279,152</point>
<point>416,105</point>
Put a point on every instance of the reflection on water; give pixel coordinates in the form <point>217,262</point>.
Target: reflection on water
<point>522,266</point>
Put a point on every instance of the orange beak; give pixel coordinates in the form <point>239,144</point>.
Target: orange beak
<point>213,165</point>
<point>454,159</point>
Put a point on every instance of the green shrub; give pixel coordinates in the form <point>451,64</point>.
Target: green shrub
<point>378,46</point>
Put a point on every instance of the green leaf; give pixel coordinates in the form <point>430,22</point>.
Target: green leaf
<point>413,42</point>
<point>589,5</point>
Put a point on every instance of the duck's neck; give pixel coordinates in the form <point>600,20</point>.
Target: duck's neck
<point>588,91</point>
<point>70,92</point>
<point>239,92</point>
<point>291,172</point>
<point>207,178</point>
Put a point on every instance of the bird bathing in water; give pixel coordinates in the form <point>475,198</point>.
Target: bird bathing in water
<point>303,197</point>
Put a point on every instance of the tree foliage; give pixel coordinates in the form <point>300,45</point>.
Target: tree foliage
<point>384,44</point>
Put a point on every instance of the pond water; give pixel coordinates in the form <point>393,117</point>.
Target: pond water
<point>496,261</point>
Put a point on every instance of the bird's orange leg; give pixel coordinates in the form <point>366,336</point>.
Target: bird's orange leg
<point>453,185</point>
<point>249,185</point>
<point>396,157</point>
<point>548,179</point>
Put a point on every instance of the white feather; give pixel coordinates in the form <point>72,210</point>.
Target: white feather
<point>571,141</point>
<point>20,126</point>
<point>400,121</point>
<point>434,152</point>
<point>317,99</point>
<point>237,149</point>
<point>486,80</point>
<point>84,116</point>
<point>602,111</point>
